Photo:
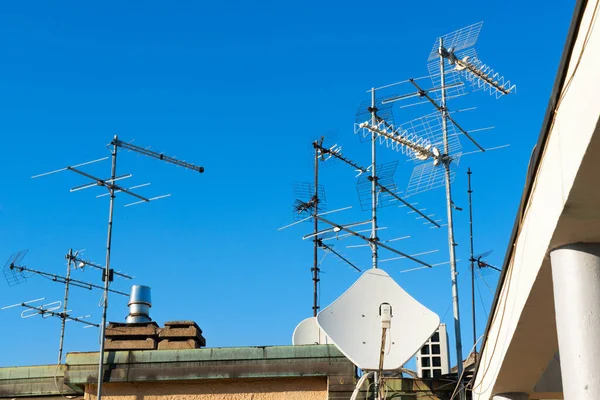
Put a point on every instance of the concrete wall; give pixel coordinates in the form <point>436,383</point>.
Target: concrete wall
<point>562,208</point>
<point>310,388</point>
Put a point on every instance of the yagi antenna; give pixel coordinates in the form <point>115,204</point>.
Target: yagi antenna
<point>112,188</point>
<point>435,147</point>
<point>47,310</point>
<point>456,50</point>
<point>13,271</point>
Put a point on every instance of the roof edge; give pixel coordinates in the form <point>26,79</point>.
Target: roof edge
<point>534,162</point>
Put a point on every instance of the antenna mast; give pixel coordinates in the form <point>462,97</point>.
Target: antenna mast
<point>106,274</point>
<point>373,244</point>
<point>451,243</point>
<point>316,240</point>
<point>66,300</point>
<point>472,259</point>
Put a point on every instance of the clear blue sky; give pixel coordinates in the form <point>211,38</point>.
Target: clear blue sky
<point>242,89</point>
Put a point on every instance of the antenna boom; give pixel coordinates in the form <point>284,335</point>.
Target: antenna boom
<point>158,156</point>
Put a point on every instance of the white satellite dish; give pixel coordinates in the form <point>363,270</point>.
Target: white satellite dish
<point>308,332</point>
<point>355,325</point>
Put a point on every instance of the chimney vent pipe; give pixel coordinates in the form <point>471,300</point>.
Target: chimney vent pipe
<point>139,305</point>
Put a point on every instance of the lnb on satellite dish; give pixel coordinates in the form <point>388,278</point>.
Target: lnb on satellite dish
<point>376,324</point>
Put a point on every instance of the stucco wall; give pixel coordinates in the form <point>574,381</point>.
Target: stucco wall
<point>309,388</point>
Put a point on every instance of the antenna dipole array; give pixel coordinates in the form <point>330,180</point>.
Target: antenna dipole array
<point>432,141</point>
<point>16,273</point>
<point>48,310</point>
<point>112,188</point>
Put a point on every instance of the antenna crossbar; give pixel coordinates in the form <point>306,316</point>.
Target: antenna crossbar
<point>330,248</point>
<point>157,155</point>
<point>441,108</point>
<point>336,153</point>
<point>107,184</point>
<point>42,311</point>
<point>62,279</point>
<point>372,241</point>
<point>94,265</point>
<point>406,203</point>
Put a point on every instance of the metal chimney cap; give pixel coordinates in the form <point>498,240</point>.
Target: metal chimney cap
<point>140,294</point>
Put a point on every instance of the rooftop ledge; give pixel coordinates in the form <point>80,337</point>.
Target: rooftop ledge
<point>81,369</point>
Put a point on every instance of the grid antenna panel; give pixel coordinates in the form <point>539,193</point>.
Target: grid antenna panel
<point>458,40</point>
<point>385,177</point>
<point>12,276</point>
<point>304,193</point>
<point>427,176</point>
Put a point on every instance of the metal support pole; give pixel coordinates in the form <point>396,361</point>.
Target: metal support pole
<point>66,300</point>
<point>316,238</point>
<point>373,244</point>
<point>472,259</point>
<point>107,274</point>
<point>451,243</point>
<point>576,282</point>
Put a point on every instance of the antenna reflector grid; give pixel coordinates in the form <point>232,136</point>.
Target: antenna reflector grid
<point>12,275</point>
<point>427,176</point>
<point>458,40</point>
<point>304,193</point>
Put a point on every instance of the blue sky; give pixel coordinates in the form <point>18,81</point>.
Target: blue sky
<point>242,89</point>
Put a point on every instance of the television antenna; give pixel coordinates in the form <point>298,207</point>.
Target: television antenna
<point>113,188</point>
<point>16,273</point>
<point>49,310</point>
<point>437,149</point>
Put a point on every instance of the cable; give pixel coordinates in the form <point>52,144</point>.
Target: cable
<point>459,382</point>
<point>359,384</point>
<point>481,299</point>
<point>484,281</point>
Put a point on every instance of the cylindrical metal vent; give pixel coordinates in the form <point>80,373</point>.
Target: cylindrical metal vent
<point>139,305</point>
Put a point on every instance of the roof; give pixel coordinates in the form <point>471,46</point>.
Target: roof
<point>81,369</point>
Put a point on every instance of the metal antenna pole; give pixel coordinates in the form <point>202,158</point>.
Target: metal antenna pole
<point>472,259</point>
<point>451,244</point>
<point>64,313</point>
<point>373,181</point>
<point>315,268</point>
<point>107,275</point>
